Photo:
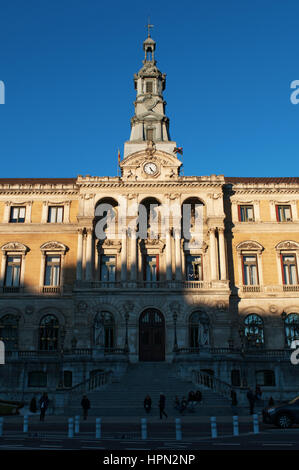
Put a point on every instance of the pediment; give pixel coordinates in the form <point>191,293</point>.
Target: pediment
<point>137,159</point>
<point>14,246</point>
<point>54,246</point>
<point>287,245</point>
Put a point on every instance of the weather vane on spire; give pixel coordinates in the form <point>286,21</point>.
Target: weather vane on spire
<point>149,26</point>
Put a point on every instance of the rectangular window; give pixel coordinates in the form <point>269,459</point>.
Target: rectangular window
<point>250,270</point>
<point>108,264</point>
<point>283,213</point>
<point>150,134</point>
<point>13,271</point>
<point>246,213</point>
<point>151,268</point>
<point>52,272</point>
<point>149,87</point>
<point>37,379</point>
<point>193,268</point>
<point>289,269</point>
<point>17,215</point>
<point>55,214</point>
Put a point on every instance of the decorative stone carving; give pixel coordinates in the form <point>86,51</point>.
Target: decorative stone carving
<point>14,246</point>
<point>287,245</point>
<point>54,246</point>
<point>249,245</point>
<point>175,307</point>
<point>29,309</point>
<point>82,307</point>
<point>151,148</point>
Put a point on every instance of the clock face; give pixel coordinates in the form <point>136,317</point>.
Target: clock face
<point>150,168</point>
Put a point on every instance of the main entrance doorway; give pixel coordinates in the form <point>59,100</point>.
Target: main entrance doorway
<point>151,336</point>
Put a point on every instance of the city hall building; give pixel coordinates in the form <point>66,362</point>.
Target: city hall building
<point>73,305</point>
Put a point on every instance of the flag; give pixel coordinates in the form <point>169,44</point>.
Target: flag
<point>118,156</point>
<point>178,150</point>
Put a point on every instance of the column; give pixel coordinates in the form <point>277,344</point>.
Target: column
<point>28,212</point>
<point>123,274</point>
<point>133,254</point>
<point>6,212</point>
<point>79,255</point>
<point>42,270</point>
<point>178,257</point>
<point>168,256</point>
<point>222,254</point>
<point>22,270</point>
<point>3,266</point>
<point>88,272</point>
<point>213,254</point>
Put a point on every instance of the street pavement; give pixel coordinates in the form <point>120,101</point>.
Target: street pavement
<point>125,434</point>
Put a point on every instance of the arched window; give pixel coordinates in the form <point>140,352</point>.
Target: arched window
<point>106,219</point>
<point>9,332</point>
<point>291,328</point>
<point>104,330</point>
<point>254,330</point>
<point>192,218</point>
<point>199,330</point>
<point>48,333</point>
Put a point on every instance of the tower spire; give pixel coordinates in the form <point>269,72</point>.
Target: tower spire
<point>149,26</point>
<point>149,122</point>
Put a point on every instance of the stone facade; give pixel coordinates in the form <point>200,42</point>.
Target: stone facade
<point>72,304</point>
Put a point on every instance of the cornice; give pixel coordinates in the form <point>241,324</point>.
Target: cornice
<point>39,192</point>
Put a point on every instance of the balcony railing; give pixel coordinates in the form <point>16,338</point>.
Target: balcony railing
<point>203,285</point>
<point>281,353</point>
<point>87,352</point>
<point>268,289</point>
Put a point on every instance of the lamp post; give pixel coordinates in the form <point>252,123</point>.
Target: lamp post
<point>127,349</point>
<point>62,338</point>
<point>175,344</point>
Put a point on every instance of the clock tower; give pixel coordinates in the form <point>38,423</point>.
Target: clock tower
<point>149,123</point>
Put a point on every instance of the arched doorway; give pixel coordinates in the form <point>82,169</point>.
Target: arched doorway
<point>151,336</point>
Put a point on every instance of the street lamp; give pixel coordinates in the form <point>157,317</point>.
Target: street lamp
<point>175,344</point>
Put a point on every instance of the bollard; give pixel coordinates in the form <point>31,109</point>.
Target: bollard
<point>98,428</point>
<point>143,428</point>
<point>236,425</point>
<point>1,427</point>
<point>25,424</point>
<point>178,429</point>
<point>213,427</point>
<point>77,424</point>
<point>71,428</point>
<point>255,424</point>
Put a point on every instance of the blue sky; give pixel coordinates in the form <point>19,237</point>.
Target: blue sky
<point>68,69</point>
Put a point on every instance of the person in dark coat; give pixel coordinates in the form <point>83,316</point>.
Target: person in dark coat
<point>43,403</point>
<point>198,396</point>
<point>258,392</point>
<point>33,405</point>
<point>184,404</point>
<point>85,403</point>
<point>251,400</point>
<point>147,403</point>
<point>233,396</point>
<point>191,401</point>
<point>162,403</point>
<point>271,402</point>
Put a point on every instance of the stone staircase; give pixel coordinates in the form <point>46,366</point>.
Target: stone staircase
<point>125,398</point>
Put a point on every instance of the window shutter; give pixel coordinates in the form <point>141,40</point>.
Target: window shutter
<point>277,214</point>
<point>282,269</point>
<point>239,213</point>
<point>157,267</point>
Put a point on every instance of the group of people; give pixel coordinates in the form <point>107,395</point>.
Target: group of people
<point>162,403</point>
<point>43,405</point>
<point>194,399</point>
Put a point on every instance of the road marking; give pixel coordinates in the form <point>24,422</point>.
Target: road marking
<point>225,444</point>
<point>277,444</point>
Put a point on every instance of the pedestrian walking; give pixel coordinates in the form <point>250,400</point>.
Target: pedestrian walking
<point>43,403</point>
<point>147,403</point>
<point>85,403</point>
<point>162,403</point>
<point>251,400</point>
